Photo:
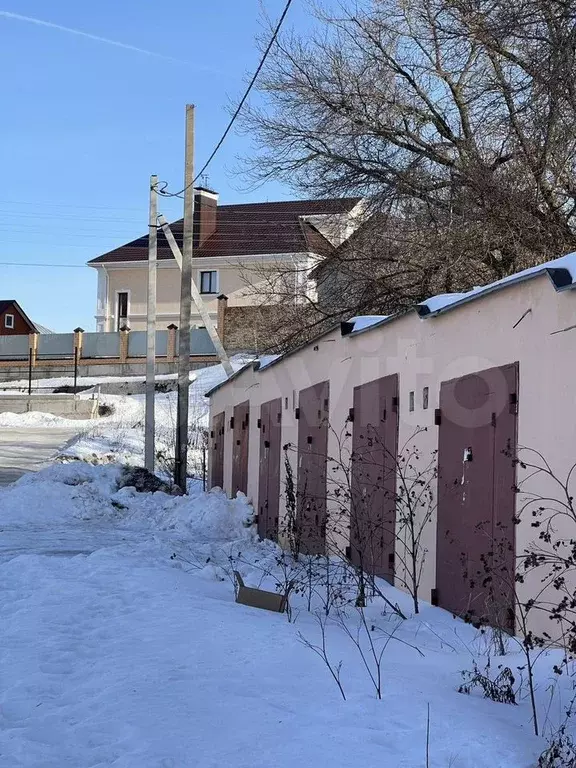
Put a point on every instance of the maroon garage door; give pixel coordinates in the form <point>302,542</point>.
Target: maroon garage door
<point>374,456</point>
<point>240,448</point>
<point>217,457</point>
<point>312,456</point>
<point>476,498</point>
<point>269,480</point>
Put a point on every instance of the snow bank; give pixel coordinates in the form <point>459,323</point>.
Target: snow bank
<point>37,419</point>
<point>79,492</point>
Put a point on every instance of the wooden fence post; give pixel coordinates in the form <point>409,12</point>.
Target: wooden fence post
<point>78,336</point>
<point>171,351</point>
<point>124,340</point>
<point>33,346</point>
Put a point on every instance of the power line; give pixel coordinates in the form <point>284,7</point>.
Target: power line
<point>39,264</point>
<point>41,204</point>
<point>240,105</point>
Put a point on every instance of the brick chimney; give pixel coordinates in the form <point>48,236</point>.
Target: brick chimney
<point>205,206</point>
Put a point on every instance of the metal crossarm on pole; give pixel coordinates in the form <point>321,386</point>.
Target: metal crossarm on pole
<point>196,296</point>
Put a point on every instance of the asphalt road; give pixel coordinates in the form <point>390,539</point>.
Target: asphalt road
<point>28,450</point>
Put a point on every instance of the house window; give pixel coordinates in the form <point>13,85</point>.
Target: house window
<point>425,397</point>
<point>209,281</point>
<point>9,321</point>
<point>122,310</point>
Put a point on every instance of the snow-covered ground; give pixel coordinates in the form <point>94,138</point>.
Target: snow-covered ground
<point>26,449</point>
<point>121,645</point>
<point>120,436</point>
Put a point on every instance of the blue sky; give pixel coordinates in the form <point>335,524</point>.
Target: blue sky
<point>85,123</point>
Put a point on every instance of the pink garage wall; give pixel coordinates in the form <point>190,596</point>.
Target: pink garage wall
<point>481,334</point>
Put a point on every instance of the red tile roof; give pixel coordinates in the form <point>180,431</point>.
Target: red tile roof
<point>247,229</point>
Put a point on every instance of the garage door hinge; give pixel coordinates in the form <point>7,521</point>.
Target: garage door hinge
<point>259,423</point>
<point>395,403</point>
<point>434,596</point>
<point>348,553</point>
<point>513,402</point>
<point>350,414</point>
<point>297,413</point>
<point>231,422</point>
<point>437,416</point>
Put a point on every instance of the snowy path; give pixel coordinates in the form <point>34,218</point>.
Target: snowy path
<point>57,541</point>
<point>113,655</point>
<point>28,449</point>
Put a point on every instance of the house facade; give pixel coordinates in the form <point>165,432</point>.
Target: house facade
<point>473,381</point>
<point>236,247</point>
<point>13,320</point>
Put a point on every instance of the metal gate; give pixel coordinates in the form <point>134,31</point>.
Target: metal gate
<point>269,478</point>
<point>313,414</point>
<point>217,446</point>
<point>240,432</point>
<point>475,565</point>
<point>373,485</point>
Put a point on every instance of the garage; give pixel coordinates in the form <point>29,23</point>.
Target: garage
<point>270,425</point>
<point>240,427</point>
<point>373,476</point>
<point>475,562</point>
<point>313,424</point>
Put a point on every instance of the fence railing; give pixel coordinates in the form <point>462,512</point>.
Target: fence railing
<point>121,346</point>
<point>14,347</point>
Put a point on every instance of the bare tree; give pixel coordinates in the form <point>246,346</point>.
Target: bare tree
<point>322,651</point>
<point>454,118</point>
<point>383,501</point>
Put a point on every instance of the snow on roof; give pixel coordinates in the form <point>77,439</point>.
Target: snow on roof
<point>443,300</point>
<point>241,364</point>
<point>561,271</point>
<point>366,321</point>
<point>265,360</point>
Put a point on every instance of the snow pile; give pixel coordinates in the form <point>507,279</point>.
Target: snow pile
<point>80,492</point>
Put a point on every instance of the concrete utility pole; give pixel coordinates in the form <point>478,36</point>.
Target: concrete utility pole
<point>181,453</point>
<point>149,432</point>
<point>197,298</point>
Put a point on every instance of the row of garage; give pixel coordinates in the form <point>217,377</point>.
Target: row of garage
<point>474,378</point>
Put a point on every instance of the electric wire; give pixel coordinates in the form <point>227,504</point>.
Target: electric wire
<point>238,108</point>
